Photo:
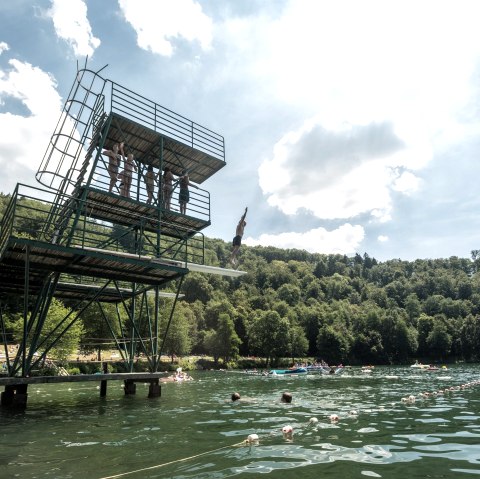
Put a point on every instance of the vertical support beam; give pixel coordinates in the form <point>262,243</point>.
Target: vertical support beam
<point>4,339</point>
<point>112,332</point>
<point>171,314</point>
<point>160,199</point>
<point>41,314</point>
<point>132,329</point>
<point>25,309</point>
<point>155,356</point>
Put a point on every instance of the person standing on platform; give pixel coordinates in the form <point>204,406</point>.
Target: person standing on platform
<point>150,178</point>
<point>184,196</point>
<point>237,241</point>
<point>114,157</point>
<point>127,175</point>
<point>167,187</point>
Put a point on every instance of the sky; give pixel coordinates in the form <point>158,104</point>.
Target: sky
<point>350,126</point>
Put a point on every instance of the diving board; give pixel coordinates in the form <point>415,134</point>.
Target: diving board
<point>198,268</point>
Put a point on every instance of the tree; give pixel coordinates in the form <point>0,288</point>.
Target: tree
<point>178,341</point>
<point>413,308</point>
<point>69,339</point>
<point>439,341</point>
<point>424,326</point>
<point>470,337</point>
<point>269,335</point>
<point>333,345</point>
<point>223,342</point>
<point>99,320</point>
<point>214,309</point>
<point>196,287</point>
<point>298,342</point>
<point>289,293</point>
<point>368,348</point>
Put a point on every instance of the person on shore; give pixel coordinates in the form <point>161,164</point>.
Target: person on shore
<point>237,240</point>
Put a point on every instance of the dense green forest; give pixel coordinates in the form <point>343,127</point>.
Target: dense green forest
<point>350,310</point>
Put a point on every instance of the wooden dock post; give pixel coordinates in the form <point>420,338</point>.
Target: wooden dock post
<point>103,388</point>
<point>154,390</point>
<point>130,387</point>
<point>103,383</point>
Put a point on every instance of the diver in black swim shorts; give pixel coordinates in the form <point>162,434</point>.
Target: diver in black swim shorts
<point>237,241</point>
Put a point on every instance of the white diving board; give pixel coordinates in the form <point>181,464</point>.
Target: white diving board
<point>199,268</point>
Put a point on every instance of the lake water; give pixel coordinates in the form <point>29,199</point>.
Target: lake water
<point>195,431</point>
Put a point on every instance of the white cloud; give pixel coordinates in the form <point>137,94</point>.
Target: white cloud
<point>363,62</point>
<point>383,238</point>
<point>406,183</point>
<point>158,23</point>
<point>339,173</point>
<point>344,240</point>
<point>373,59</point>
<point>72,25</point>
<point>3,47</point>
<point>24,139</point>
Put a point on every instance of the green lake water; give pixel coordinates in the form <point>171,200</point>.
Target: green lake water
<point>195,431</point>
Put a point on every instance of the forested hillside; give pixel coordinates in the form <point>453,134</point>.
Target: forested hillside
<point>350,310</point>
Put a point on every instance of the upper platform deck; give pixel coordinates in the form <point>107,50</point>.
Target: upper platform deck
<point>101,112</point>
<point>155,148</point>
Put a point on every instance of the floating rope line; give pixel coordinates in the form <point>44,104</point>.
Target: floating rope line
<point>123,474</point>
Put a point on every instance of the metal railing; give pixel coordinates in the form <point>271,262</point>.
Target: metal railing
<point>6,225</point>
<point>26,216</point>
<point>197,207</point>
<point>162,120</point>
<point>81,118</point>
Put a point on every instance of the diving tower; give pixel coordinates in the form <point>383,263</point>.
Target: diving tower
<point>81,239</point>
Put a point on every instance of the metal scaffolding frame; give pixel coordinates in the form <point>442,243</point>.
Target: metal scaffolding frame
<point>74,240</point>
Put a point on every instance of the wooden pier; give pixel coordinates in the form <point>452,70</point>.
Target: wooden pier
<point>15,394</point>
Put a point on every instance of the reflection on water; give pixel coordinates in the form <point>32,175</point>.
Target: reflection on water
<point>392,423</point>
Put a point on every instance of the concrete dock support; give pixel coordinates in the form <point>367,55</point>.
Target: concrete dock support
<point>15,396</point>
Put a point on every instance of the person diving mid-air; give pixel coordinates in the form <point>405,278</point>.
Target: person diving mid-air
<point>237,241</point>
